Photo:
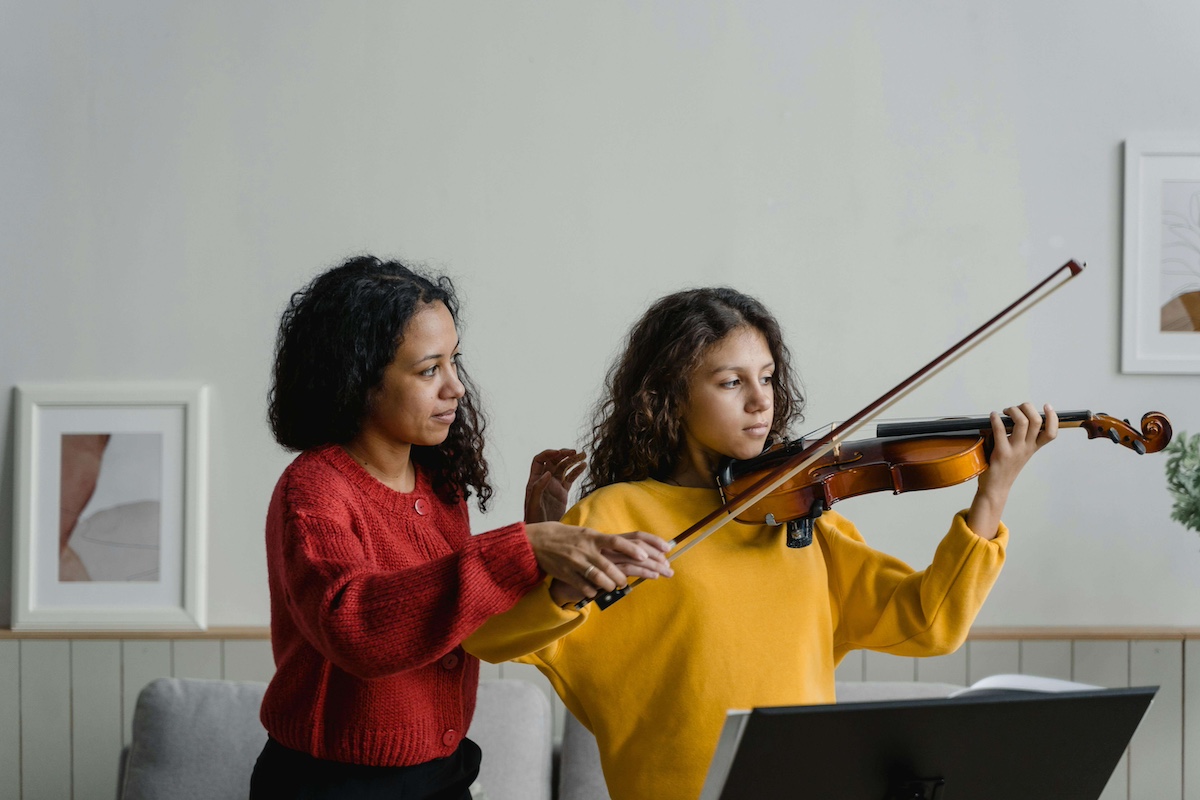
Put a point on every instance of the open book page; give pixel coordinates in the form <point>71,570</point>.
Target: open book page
<point>727,747</point>
<point>1022,683</point>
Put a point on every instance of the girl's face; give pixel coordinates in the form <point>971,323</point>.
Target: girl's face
<point>417,401</point>
<point>731,401</point>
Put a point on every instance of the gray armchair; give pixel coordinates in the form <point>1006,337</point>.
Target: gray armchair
<point>199,739</point>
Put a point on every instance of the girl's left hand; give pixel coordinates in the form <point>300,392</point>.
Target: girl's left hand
<point>551,476</point>
<point>1010,453</point>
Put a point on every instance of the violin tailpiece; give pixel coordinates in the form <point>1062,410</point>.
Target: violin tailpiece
<point>800,532</point>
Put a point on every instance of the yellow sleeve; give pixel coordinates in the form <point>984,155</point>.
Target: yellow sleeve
<point>880,603</point>
<point>534,623</point>
<point>531,630</point>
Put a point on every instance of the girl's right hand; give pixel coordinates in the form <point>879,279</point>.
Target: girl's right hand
<point>589,562</point>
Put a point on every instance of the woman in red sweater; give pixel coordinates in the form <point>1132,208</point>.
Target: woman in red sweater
<point>375,578</point>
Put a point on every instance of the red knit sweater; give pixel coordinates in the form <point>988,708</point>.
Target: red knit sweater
<point>372,590</point>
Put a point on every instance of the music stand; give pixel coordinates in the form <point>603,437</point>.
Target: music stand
<point>991,745</point>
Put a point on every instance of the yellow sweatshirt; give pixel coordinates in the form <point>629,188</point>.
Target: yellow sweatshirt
<point>746,622</point>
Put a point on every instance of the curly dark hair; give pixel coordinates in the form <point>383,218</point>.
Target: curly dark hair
<point>336,337</point>
<point>637,426</point>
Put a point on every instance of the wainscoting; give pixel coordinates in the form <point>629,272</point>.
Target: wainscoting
<point>66,703</point>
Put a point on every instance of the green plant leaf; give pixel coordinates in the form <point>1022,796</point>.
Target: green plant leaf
<point>1183,479</point>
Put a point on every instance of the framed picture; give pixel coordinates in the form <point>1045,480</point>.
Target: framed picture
<point>1160,329</point>
<point>110,507</point>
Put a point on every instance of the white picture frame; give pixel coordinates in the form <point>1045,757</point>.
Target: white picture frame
<point>110,507</point>
<point>1160,300</point>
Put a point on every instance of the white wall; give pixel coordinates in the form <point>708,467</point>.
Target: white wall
<point>885,175</point>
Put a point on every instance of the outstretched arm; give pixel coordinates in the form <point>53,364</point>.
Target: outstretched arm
<point>1010,453</point>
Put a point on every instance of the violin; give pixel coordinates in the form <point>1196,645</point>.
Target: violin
<point>808,454</point>
<point>903,457</point>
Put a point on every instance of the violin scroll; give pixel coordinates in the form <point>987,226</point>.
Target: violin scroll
<point>1154,436</point>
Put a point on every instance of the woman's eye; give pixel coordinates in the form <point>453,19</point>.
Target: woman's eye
<point>767,379</point>
<point>732,383</point>
<point>429,373</point>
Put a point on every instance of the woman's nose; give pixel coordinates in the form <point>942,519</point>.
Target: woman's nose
<point>454,387</point>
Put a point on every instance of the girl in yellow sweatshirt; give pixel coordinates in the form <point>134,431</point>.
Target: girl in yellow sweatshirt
<point>746,621</point>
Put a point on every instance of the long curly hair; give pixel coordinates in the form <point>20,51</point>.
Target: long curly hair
<point>336,337</point>
<point>637,426</point>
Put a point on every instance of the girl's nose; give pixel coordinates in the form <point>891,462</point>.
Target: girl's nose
<point>761,399</point>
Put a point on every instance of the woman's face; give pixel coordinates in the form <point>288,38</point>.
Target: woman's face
<point>731,400</point>
<point>417,401</point>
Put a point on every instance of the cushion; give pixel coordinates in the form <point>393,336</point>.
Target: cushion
<point>514,729</point>
<point>580,776</point>
<point>194,740</point>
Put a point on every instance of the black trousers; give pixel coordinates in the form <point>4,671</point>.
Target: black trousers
<point>284,774</point>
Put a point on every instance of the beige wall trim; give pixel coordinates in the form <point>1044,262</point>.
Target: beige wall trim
<point>211,633</point>
<point>1146,633</point>
<point>980,634</point>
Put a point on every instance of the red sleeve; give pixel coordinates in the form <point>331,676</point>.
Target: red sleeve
<point>373,623</point>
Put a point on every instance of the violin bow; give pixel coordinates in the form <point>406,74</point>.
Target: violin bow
<point>781,474</point>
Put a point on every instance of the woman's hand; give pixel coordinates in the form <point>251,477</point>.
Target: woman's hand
<point>564,594</point>
<point>551,476</point>
<point>585,562</point>
<point>1010,453</point>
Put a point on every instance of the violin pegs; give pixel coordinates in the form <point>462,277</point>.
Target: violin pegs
<point>1139,447</point>
<point>1112,434</point>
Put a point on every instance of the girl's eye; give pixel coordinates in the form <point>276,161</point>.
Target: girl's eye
<point>767,379</point>
<point>429,373</point>
<point>732,383</point>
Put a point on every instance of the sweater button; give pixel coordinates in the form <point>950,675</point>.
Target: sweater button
<point>449,661</point>
<point>421,506</point>
<point>449,737</point>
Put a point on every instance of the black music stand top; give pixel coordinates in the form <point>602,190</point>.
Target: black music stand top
<point>989,745</point>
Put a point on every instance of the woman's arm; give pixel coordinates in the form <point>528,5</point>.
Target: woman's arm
<point>373,622</point>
